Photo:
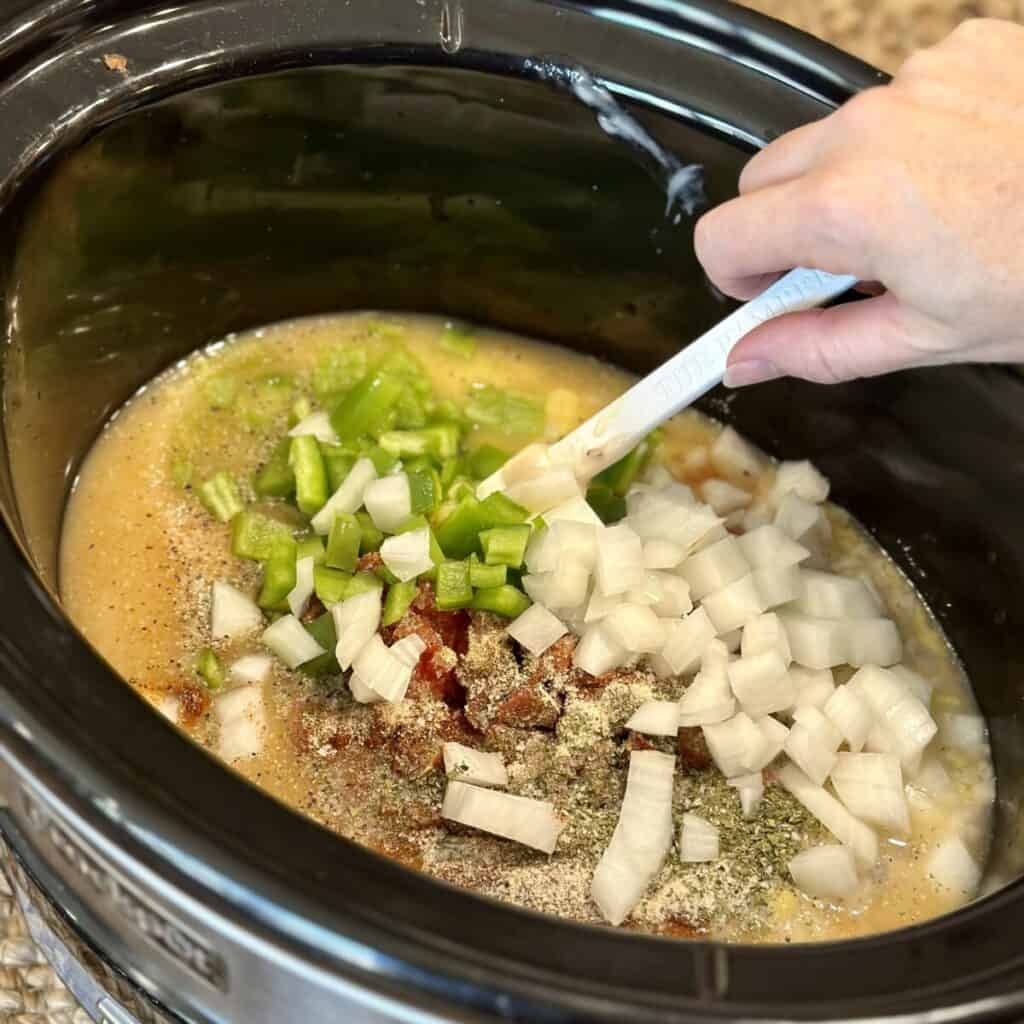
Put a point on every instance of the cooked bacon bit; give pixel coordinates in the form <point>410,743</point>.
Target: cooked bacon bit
<point>369,562</point>
<point>528,707</point>
<point>314,609</point>
<point>194,702</point>
<point>693,748</point>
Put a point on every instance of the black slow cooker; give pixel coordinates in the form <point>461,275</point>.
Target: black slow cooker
<point>171,173</point>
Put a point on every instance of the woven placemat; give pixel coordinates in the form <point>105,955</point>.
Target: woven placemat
<point>882,32</point>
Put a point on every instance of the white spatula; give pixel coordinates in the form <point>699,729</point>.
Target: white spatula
<point>616,429</point>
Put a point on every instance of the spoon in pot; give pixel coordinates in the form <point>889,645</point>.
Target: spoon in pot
<point>615,430</point>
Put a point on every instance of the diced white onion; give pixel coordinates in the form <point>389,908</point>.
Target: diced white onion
<point>243,722</point>
<point>536,629</point>
<point>696,460</point>
<point>361,692</point>
<point>356,619</point>
<point>825,872</point>
<point>477,767</point>
<point>733,606</point>
<point>707,700</point>
<point>715,662</point>
<point>597,653</point>
<point>737,745</point>
<point>408,650</point>
<point>662,554</point>
<point>599,606</point>
<point>758,514</point>
<point>777,584</point>
<point>348,498</point>
<point>802,479</point>
<point>798,518</point>
<point>382,670</point>
<point>904,718</point>
<point>813,686</point>
<point>300,594</point>
<point>546,491</point>
<point>751,792</point>
<point>232,613</point>
<point>825,595</point>
<point>768,547</point>
<point>619,560</point>
<point>732,640</point>
<point>915,683</point>
<point>871,787</point>
<point>816,643</point>
<point>765,633</point>
<point>408,554</point>
<point>288,639</point>
<point>674,599</point>
<point>575,510</point>
<point>564,589</point>
<point>648,591</point>
<point>715,567</point>
<point>655,718</point>
<point>635,628</point>
<point>697,529</point>
<point>641,839</point>
<point>849,830</point>
<point>723,496</point>
<point>686,640</point>
<point>851,715</point>
<point>735,457</point>
<point>521,819</point>
<point>812,744</point>
<point>318,425</point>
<point>761,684</point>
<point>389,502</point>
<point>698,840</point>
<point>873,642</point>
<point>253,668</point>
<point>952,866</point>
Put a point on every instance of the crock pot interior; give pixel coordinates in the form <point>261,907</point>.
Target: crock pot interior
<point>501,201</point>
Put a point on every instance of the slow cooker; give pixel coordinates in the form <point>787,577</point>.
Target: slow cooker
<point>172,173</point>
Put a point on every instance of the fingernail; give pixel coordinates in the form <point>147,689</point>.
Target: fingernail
<point>751,371</point>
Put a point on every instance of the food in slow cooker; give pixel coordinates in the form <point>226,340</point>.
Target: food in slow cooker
<point>689,696</point>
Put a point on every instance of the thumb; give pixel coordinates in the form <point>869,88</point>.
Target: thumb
<point>857,339</point>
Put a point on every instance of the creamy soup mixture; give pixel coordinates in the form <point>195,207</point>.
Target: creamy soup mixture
<point>689,697</point>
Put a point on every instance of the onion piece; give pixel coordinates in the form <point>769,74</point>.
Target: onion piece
<point>635,628</point>
<point>777,584</point>
<point>575,510</point>
<point>851,715</point>
<point>674,599</point>
<point>715,567</point>
<point>477,767</point>
<point>232,613</point>
<point>915,683</point>
<point>599,606</point>
<point>825,872</point>
<point>802,479</point>
<point>361,692</point>
<point>243,722</point>
<point>812,744</point>
<point>774,735</point>
<point>765,633</point>
<point>530,822</point>
<point>641,839</point>
<point>698,840</point>
<point>536,630</point>
<point>540,493</point>
<point>619,560</point>
<point>288,639</point>
<point>735,457</point>
<point>813,686</point>
<point>737,745</point>
<point>389,502</point>
<point>769,547</point>
<point>734,606</point>
<point>384,670</point>
<point>751,791</point>
<point>655,718</point>
<point>761,684</point>
<point>723,496</point>
<point>815,643</point>
<point>565,589</point>
<point>686,641</point>
<point>597,653</point>
<point>708,700</point>
<point>798,518</point>
<point>299,595</point>
<point>871,787</point>
<point>826,595</point>
<point>850,831</point>
<point>356,619</point>
<point>348,498</point>
<point>873,642</point>
<point>952,867</point>
<point>714,662</point>
<point>253,668</point>
<point>318,425</point>
<point>904,718</point>
<point>662,554</point>
<point>407,555</point>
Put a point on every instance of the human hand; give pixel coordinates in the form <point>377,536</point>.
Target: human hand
<point>917,185</point>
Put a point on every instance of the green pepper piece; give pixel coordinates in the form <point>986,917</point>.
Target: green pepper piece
<point>278,577</point>
<point>371,538</point>
<point>209,666</point>
<point>258,536</point>
<point>485,460</point>
<point>509,411</point>
<point>441,441</point>
<point>330,585</point>
<point>498,510</point>
<point>611,507</point>
<point>458,341</point>
<point>301,408</point>
<point>343,543</point>
<point>220,497</point>
<point>424,490</point>
<point>363,581</point>
<point>366,408</point>
<point>338,370</point>
<point>322,630</point>
<point>399,597</point>
<point>453,588</point>
<point>339,462</point>
<point>276,479</point>
<point>452,469</point>
<point>505,545</point>
<point>458,534</point>
<point>486,576</point>
<point>310,547</point>
<point>310,474</point>
<point>383,461</point>
<point>506,601</point>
